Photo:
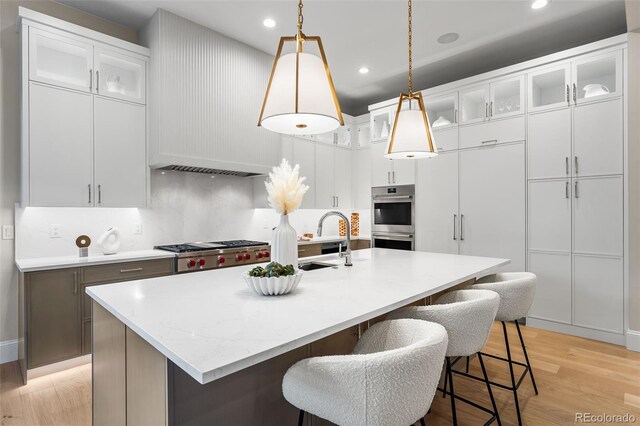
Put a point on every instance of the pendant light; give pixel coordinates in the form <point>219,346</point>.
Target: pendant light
<point>300,97</point>
<point>411,136</point>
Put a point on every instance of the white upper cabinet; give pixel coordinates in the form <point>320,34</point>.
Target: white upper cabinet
<point>60,153</point>
<point>325,180</point>
<point>404,172</point>
<point>342,177</point>
<point>120,153</point>
<point>549,88</point>
<point>381,122</point>
<point>361,178</point>
<point>304,154</point>
<point>343,136</point>
<point>59,60</point>
<point>549,144</point>
<point>442,111</point>
<point>381,167</point>
<point>598,145</point>
<point>597,77</point>
<point>119,75</point>
<point>475,104</point>
<point>507,97</point>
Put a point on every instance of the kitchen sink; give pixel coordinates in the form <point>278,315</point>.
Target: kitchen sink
<point>312,266</point>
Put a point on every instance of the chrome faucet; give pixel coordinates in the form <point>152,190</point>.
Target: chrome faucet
<point>347,253</point>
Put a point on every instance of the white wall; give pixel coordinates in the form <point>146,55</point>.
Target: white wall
<point>184,207</point>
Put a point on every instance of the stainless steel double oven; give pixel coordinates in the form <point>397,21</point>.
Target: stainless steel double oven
<point>393,217</point>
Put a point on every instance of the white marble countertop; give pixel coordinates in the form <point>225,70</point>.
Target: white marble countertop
<point>59,262</point>
<point>211,324</point>
<point>331,239</point>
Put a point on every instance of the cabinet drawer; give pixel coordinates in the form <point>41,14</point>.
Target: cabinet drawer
<point>493,132</point>
<point>128,271</point>
<point>446,140</point>
<point>309,250</point>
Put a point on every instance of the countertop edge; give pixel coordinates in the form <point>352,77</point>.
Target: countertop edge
<point>91,260</point>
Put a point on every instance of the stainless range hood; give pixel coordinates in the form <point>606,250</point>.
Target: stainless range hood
<point>208,171</point>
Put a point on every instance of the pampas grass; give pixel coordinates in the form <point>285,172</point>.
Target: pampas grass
<point>286,188</point>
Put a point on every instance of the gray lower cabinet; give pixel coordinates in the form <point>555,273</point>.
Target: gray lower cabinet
<point>58,311</point>
<point>53,313</point>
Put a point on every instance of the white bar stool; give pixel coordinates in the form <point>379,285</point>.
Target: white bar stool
<point>467,315</point>
<point>390,379</point>
<point>516,290</point>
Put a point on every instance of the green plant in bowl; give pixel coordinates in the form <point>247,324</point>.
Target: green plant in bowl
<point>272,270</point>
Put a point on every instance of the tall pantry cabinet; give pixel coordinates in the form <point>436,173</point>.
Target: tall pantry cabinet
<point>576,194</point>
<point>83,116</point>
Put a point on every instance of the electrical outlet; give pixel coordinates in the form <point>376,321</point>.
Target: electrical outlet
<point>54,230</point>
<point>137,228</point>
<point>7,232</point>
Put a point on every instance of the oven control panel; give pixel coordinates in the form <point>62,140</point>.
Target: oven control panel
<point>214,260</point>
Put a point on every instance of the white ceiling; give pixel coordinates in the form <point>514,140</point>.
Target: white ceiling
<point>493,34</point>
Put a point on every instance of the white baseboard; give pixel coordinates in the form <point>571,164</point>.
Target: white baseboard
<point>633,340</point>
<point>574,330</point>
<point>8,351</point>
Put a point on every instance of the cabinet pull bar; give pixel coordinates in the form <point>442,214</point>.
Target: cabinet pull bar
<point>461,227</point>
<point>455,116</point>
<point>575,161</point>
<point>455,217</point>
<point>388,177</point>
<point>575,190</point>
<point>337,201</point>
<point>566,190</point>
<point>568,96</point>
<point>97,81</point>
<point>393,173</point>
<point>566,165</point>
<point>491,109</point>
<point>575,90</point>
<point>124,271</point>
<point>486,109</point>
<point>90,80</point>
<point>489,141</point>
<point>99,194</point>
<point>89,193</point>
<point>75,283</point>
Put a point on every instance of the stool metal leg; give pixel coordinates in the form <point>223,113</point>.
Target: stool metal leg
<point>301,418</point>
<point>513,379</point>
<point>446,380</point>
<point>422,421</point>
<point>452,396</point>
<point>486,380</point>
<point>526,357</point>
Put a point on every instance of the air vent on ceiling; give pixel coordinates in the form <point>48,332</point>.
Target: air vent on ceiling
<point>208,171</point>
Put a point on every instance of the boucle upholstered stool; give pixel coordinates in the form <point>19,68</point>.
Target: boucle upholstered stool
<point>467,315</point>
<point>516,290</point>
<point>390,379</point>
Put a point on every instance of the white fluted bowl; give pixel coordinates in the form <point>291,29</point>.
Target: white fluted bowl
<point>274,286</point>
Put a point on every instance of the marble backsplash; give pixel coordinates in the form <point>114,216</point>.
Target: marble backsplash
<point>183,207</point>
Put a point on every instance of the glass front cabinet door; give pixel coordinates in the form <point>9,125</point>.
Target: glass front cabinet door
<point>507,98</point>
<point>60,61</point>
<point>597,77</point>
<point>119,76</point>
<point>549,88</point>
<point>442,111</point>
<point>475,104</point>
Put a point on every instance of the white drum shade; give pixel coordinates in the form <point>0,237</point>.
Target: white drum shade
<point>411,137</point>
<point>316,111</point>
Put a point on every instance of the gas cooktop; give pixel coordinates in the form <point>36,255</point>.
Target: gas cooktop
<point>214,245</point>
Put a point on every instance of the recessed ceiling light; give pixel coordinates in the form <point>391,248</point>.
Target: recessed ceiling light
<point>269,23</point>
<point>448,38</point>
<point>539,4</point>
<point>363,70</point>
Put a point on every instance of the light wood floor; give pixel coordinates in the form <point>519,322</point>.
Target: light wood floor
<point>573,375</point>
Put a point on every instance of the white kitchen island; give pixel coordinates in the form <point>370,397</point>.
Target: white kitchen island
<point>202,348</point>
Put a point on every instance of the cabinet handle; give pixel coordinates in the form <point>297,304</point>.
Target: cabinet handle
<point>574,94</point>
<point>97,81</point>
<point>393,173</point>
<point>389,177</point>
<point>75,283</point>
<point>455,116</point>
<point>124,271</point>
<point>99,194</point>
<point>489,141</point>
<point>461,227</point>
<point>491,109</point>
<point>90,80</point>
<point>566,190</point>
<point>575,162</point>
<point>486,109</point>
<point>566,165</point>
<point>575,190</point>
<point>455,217</point>
<point>337,201</point>
<point>568,98</point>
<point>89,193</point>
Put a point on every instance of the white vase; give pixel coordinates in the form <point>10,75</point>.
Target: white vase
<point>284,244</point>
